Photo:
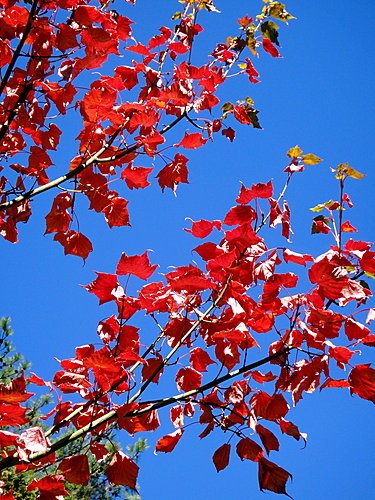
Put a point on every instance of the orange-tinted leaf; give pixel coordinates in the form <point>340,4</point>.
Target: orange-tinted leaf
<point>15,392</point>
<point>346,227</point>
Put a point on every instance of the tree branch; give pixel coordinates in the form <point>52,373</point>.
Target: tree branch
<point>151,406</point>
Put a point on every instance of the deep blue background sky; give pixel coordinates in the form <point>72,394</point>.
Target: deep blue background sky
<point>320,96</point>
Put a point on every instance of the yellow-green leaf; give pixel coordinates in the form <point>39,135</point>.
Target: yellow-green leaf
<point>294,152</point>
<point>330,205</point>
<point>345,170</point>
<point>277,10</point>
<point>311,159</point>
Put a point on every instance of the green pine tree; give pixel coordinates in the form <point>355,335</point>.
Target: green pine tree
<point>12,365</point>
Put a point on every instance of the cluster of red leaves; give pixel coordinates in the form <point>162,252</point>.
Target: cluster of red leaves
<point>250,298</point>
<point>122,112</point>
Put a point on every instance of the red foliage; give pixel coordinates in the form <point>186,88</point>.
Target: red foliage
<point>239,295</point>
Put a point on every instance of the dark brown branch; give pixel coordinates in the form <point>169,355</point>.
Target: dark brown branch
<point>150,406</point>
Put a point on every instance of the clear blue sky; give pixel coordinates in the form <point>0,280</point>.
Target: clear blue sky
<point>320,95</point>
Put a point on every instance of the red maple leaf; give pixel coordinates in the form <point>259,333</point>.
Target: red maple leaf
<point>173,173</point>
<point>167,443</point>
<point>192,141</point>
<point>76,469</point>
<point>362,381</point>
<point>202,228</point>
<point>137,265</point>
<point>74,243</point>
<point>122,470</point>
<point>256,191</point>
<point>248,449</point>
<point>272,477</point>
<point>105,287</point>
<point>188,378</point>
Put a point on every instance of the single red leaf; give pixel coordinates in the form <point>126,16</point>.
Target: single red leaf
<point>221,457</point>
<point>202,228</point>
<point>346,227</point>
<point>74,243</point>
<point>52,484</point>
<point>296,258</point>
<point>330,382</point>
<point>199,359</point>
<point>291,430</point>
<point>153,367</point>
<point>269,440</point>
<point>269,407</point>
<point>123,471</point>
<point>136,177</point>
<point>355,330</point>
<point>241,115</point>
<point>8,439</point>
<point>76,469</point>
<point>229,133</point>
<point>261,378</point>
<point>270,48</point>
<point>188,379</point>
<point>116,213</point>
<point>239,215</point>
<point>192,141</point>
<point>248,449</point>
<point>105,287</point>
<point>173,173</point>
<point>167,443</point>
<point>256,191</point>
<point>362,382</point>
<point>342,355</point>
<point>137,265</point>
<point>272,477</point>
